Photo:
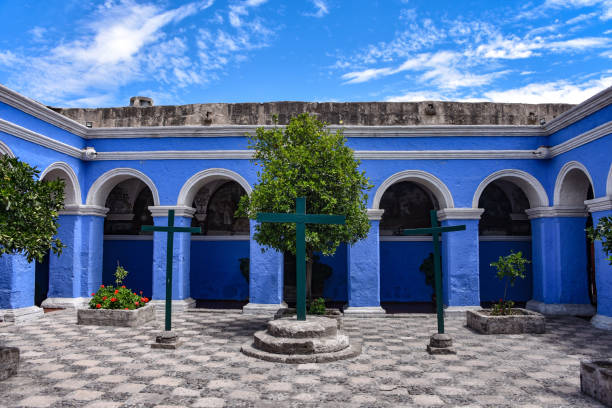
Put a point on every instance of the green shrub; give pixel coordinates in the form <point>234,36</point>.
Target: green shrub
<point>509,267</point>
<point>603,232</point>
<point>317,307</point>
<point>119,297</point>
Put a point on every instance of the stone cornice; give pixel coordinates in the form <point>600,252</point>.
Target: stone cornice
<point>41,140</point>
<point>586,108</point>
<point>40,111</point>
<point>460,214</point>
<point>179,210</point>
<point>581,139</point>
<point>84,210</point>
<point>556,211</point>
<point>599,204</point>
<point>374,214</point>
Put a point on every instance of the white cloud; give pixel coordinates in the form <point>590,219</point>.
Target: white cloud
<point>605,5</point>
<point>240,10</point>
<point>366,75</point>
<point>322,9</point>
<point>38,33</point>
<point>551,92</point>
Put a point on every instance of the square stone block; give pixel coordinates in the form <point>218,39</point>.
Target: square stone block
<point>9,362</point>
<point>525,321</point>
<point>596,380</point>
<point>116,317</point>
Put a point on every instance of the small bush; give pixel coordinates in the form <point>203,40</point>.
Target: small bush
<point>120,297</point>
<point>509,267</point>
<point>317,307</point>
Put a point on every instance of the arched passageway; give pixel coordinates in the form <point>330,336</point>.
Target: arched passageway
<point>219,255</point>
<point>503,228</point>
<point>406,204</point>
<point>124,243</point>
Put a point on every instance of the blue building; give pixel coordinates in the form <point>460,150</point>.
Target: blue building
<point>519,180</point>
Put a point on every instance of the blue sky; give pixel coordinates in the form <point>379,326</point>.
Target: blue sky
<point>88,54</point>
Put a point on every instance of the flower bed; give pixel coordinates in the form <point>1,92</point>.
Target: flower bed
<point>520,321</point>
<point>116,317</point>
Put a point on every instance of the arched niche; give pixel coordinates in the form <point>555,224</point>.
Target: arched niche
<point>216,203</point>
<point>407,205</point>
<point>572,185</point>
<point>504,204</point>
<point>72,188</point>
<point>530,186</point>
<point>430,182</point>
<point>128,208</point>
<point>101,188</point>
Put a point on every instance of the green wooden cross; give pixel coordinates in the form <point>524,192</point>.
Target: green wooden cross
<point>300,218</point>
<point>435,232</point>
<point>170,229</point>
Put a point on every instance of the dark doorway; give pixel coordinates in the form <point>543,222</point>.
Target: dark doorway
<point>41,281</point>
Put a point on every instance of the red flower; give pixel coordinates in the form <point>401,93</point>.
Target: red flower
<point>116,291</point>
<point>104,298</point>
<point>142,299</point>
<point>141,292</point>
<point>146,300</point>
<point>135,294</point>
<point>113,299</point>
<point>101,286</point>
<point>123,286</point>
<point>98,306</point>
<point>127,308</point>
<point>93,294</point>
<point>136,303</point>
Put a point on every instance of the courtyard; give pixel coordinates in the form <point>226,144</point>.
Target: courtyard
<point>66,365</point>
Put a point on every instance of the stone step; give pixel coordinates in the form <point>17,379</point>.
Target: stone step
<point>352,351</point>
<point>313,327</point>
<point>283,345</point>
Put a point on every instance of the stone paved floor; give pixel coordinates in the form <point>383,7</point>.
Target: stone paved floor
<point>65,365</point>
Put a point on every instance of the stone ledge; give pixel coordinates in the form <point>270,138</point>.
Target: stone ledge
<point>263,309</point>
<point>178,305</point>
<point>560,309</point>
<point>21,315</point>
<point>9,362</point>
<point>364,311</point>
<point>66,303</point>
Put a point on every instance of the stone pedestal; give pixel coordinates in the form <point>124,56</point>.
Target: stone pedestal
<point>167,340</point>
<point>9,362</point>
<point>596,380</point>
<point>441,343</point>
<point>315,340</point>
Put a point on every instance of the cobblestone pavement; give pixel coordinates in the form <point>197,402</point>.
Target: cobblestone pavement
<point>65,365</point>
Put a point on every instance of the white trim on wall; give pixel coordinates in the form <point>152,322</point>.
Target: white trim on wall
<point>41,140</point>
<point>580,111</point>
<point>40,111</point>
<point>72,178</point>
<point>195,182</point>
<point>609,183</point>
<point>581,139</point>
<point>423,178</point>
<point>99,190</point>
<point>561,177</point>
<point>177,155</point>
<point>533,189</point>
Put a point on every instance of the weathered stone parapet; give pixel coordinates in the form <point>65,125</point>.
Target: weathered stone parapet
<point>334,113</point>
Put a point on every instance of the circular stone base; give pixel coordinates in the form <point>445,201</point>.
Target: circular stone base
<point>351,351</point>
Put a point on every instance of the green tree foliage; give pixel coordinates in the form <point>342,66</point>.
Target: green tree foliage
<point>603,233</point>
<point>305,159</point>
<point>28,210</point>
<point>509,267</point>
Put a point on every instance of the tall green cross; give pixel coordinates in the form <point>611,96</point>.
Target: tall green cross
<point>170,229</point>
<point>300,218</point>
<point>436,231</point>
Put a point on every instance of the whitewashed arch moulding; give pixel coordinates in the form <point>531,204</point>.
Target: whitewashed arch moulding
<point>72,189</point>
<point>568,190</point>
<point>195,182</point>
<point>428,180</point>
<point>4,149</point>
<point>609,184</point>
<point>532,188</point>
<point>102,187</point>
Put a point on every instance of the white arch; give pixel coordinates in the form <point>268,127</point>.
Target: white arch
<point>195,182</point>
<point>102,187</point>
<point>72,188</point>
<point>428,180</point>
<point>530,185</point>
<point>570,186</point>
<point>4,149</point>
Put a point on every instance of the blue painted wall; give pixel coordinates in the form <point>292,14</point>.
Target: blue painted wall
<point>400,278</point>
<point>336,285</point>
<point>215,270</point>
<point>491,288</point>
<point>136,257</point>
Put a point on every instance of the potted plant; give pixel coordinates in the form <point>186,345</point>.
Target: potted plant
<point>504,318</point>
<point>117,306</point>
